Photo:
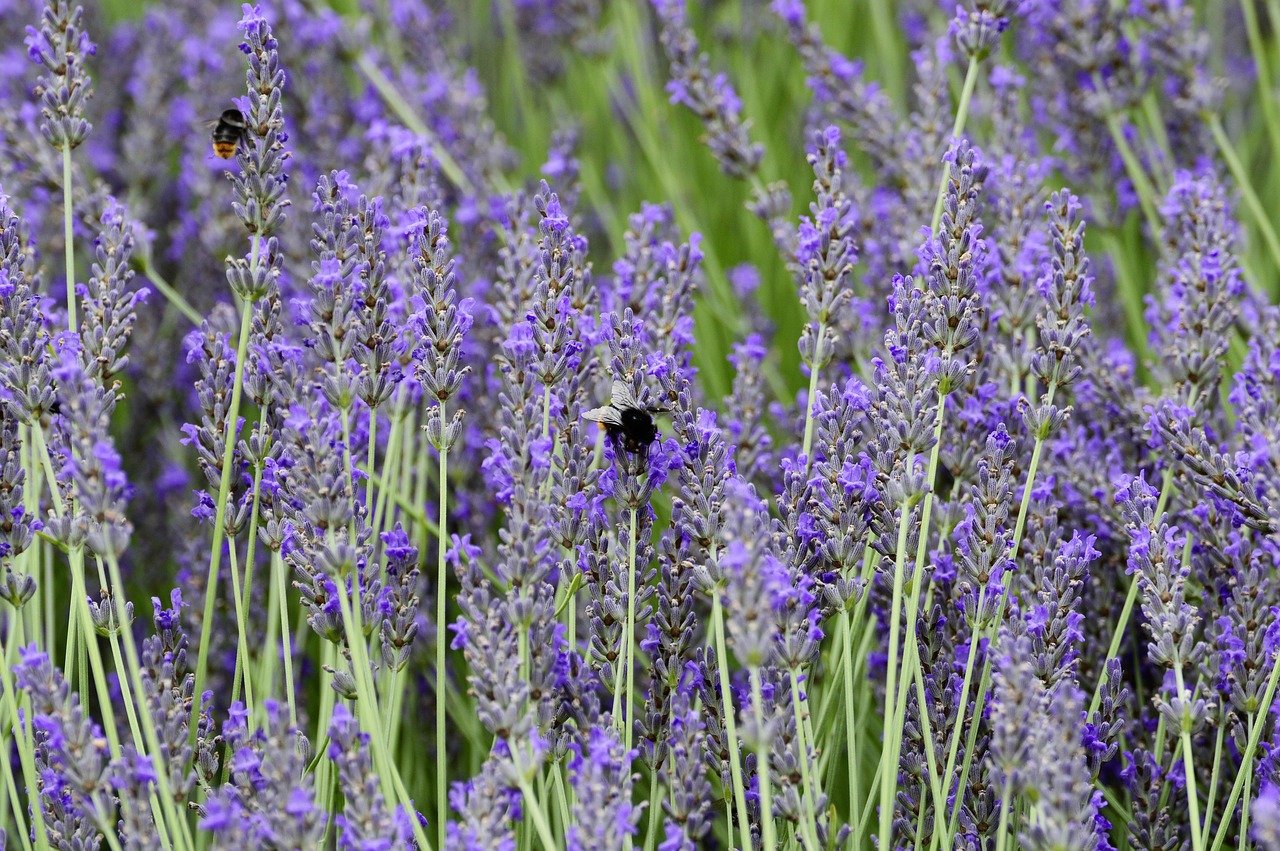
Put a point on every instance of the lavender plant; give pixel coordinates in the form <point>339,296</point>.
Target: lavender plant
<point>657,425</point>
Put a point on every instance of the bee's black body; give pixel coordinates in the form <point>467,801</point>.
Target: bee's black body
<point>227,133</point>
<point>627,423</point>
<point>637,430</point>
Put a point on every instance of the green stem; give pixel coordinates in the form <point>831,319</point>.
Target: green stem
<point>1002,831</point>
<point>768,835</point>
<point>224,490</point>
<point>1133,167</point>
<point>125,693</point>
<point>1193,799</point>
<point>442,579</point>
<point>730,720</point>
<point>625,645</point>
<point>1244,811</point>
<point>1266,78</point>
<point>812,397</point>
<point>241,672</point>
<point>1246,759</point>
<point>390,460</point>
<point>533,806</point>
<point>388,775</point>
<point>391,96</point>
<point>962,115</point>
<point>809,822</point>
<point>1213,777</point>
<point>268,658</point>
<point>631,632</point>
<point>15,808</point>
<point>888,754</point>
<point>1241,175</point>
<point>850,725</point>
<point>985,681</point>
<point>655,805</point>
<point>25,739</point>
<point>166,289</point>
<point>1114,650</point>
<point>931,760</point>
<point>89,645</point>
<point>286,638</point>
<point>181,830</point>
<point>69,244</point>
<point>965,687</point>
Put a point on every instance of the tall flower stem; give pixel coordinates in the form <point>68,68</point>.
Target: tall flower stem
<point>23,734</point>
<point>1265,74</point>
<point>442,579</point>
<point>1184,728</point>
<point>1002,832</point>
<point>388,774</point>
<point>850,724</point>
<point>1245,185</point>
<point>730,719</point>
<point>962,117</point>
<point>178,825</point>
<point>370,457</point>
<point>910,650</point>
<point>277,574</point>
<point>889,752</point>
<point>809,820</point>
<point>1133,166</point>
<point>813,393</point>
<point>1246,759</point>
<point>534,806</point>
<point>68,239</point>
<point>224,490</point>
<point>117,657</point>
<point>631,631</point>
<point>240,676</point>
<point>986,632</point>
<point>621,695</point>
<point>768,831</point>
<point>402,422</point>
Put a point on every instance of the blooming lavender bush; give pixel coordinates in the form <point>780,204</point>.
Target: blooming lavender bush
<point>331,513</point>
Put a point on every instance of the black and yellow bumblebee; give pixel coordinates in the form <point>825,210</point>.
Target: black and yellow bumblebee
<point>228,130</point>
<point>624,419</point>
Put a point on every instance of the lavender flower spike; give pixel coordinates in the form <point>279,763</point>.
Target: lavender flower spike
<point>60,45</point>
<point>711,98</point>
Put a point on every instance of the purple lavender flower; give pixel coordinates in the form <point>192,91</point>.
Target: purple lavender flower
<point>600,774</point>
<point>60,45</point>
<point>17,527</point>
<point>1266,818</point>
<point>485,803</point>
<point>977,26</point>
<point>71,754</point>
<point>1156,561</point>
<point>365,821</point>
<point>24,336</point>
<point>109,304</point>
<point>441,322</point>
<point>260,185</point>
<point>709,97</point>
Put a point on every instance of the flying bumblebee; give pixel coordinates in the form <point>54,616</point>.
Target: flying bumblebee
<point>228,130</point>
<point>625,420</point>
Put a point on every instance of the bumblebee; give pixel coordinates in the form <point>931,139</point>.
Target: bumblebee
<point>228,130</point>
<point>625,421</point>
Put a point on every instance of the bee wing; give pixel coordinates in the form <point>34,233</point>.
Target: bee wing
<point>623,396</point>
<point>606,415</point>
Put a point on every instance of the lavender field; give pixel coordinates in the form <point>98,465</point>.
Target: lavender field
<point>639,424</point>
